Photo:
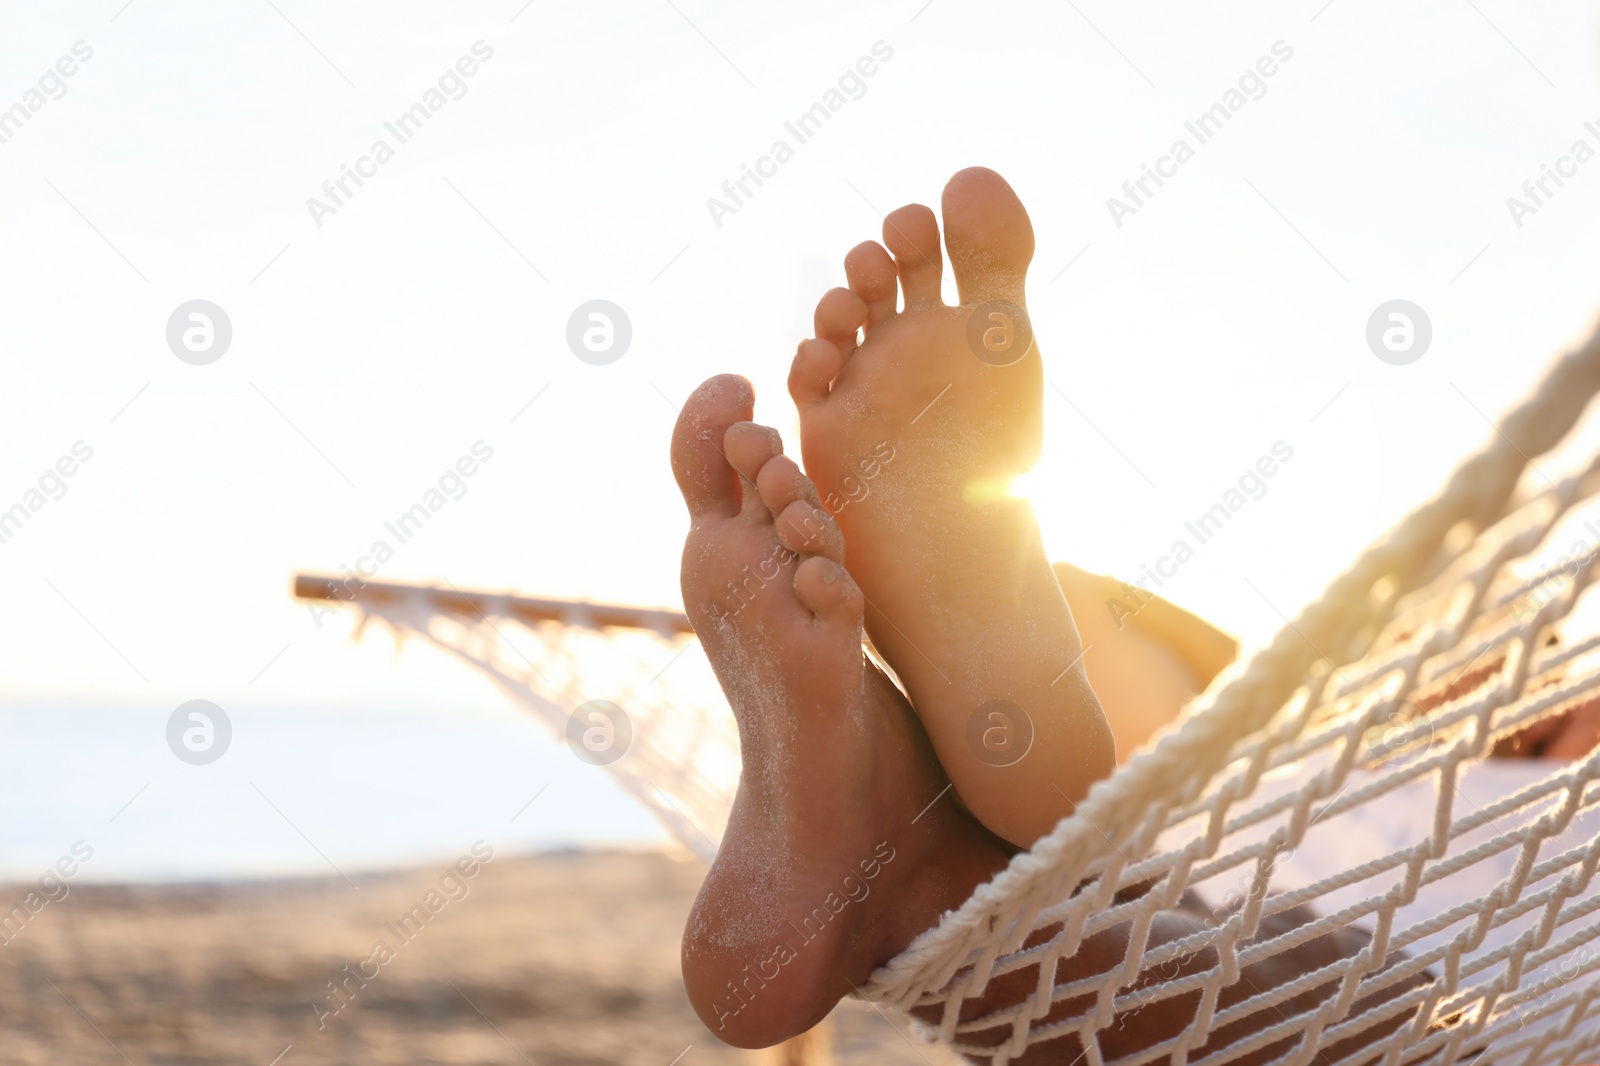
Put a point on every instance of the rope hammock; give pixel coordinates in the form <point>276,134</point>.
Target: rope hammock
<point>1371,714</point>
<point>1345,767</point>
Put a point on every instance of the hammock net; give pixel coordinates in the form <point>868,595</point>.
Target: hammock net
<point>628,689</point>
<point>1346,768</point>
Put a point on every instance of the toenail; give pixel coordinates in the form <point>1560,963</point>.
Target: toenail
<point>830,573</point>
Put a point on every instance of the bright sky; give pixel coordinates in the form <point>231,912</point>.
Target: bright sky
<point>429,311</point>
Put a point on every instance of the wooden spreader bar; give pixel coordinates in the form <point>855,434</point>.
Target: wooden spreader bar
<point>476,602</point>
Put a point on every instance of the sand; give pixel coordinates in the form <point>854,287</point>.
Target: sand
<point>561,960</point>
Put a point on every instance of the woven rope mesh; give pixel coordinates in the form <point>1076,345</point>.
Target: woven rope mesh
<point>1368,796</point>
<point>1344,777</point>
<point>681,761</point>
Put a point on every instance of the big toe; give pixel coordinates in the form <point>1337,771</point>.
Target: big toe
<point>709,483</point>
<point>989,236</point>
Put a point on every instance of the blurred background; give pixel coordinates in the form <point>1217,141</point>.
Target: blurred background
<point>154,154</point>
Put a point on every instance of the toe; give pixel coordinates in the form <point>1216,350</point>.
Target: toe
<point>806,528</point>
<point>840,313</point>
<point>827,589</point>
<point>989,236</point>
<point>816,364</point>
<point>709,484</point>
<point>912,235</point>
<point>872,277</point>
<point>781,483</point>
<point>749,446</point>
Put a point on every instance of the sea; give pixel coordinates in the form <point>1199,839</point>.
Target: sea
<point>296,791</point>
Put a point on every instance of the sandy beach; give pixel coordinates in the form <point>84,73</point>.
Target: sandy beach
<point>555,960</point>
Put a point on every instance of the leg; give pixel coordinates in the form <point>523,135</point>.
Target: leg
<point>1145,661</point>
<point>1139,1029</point>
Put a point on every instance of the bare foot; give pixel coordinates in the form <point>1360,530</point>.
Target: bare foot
<point>912,437</point>
<point>841,846</point>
